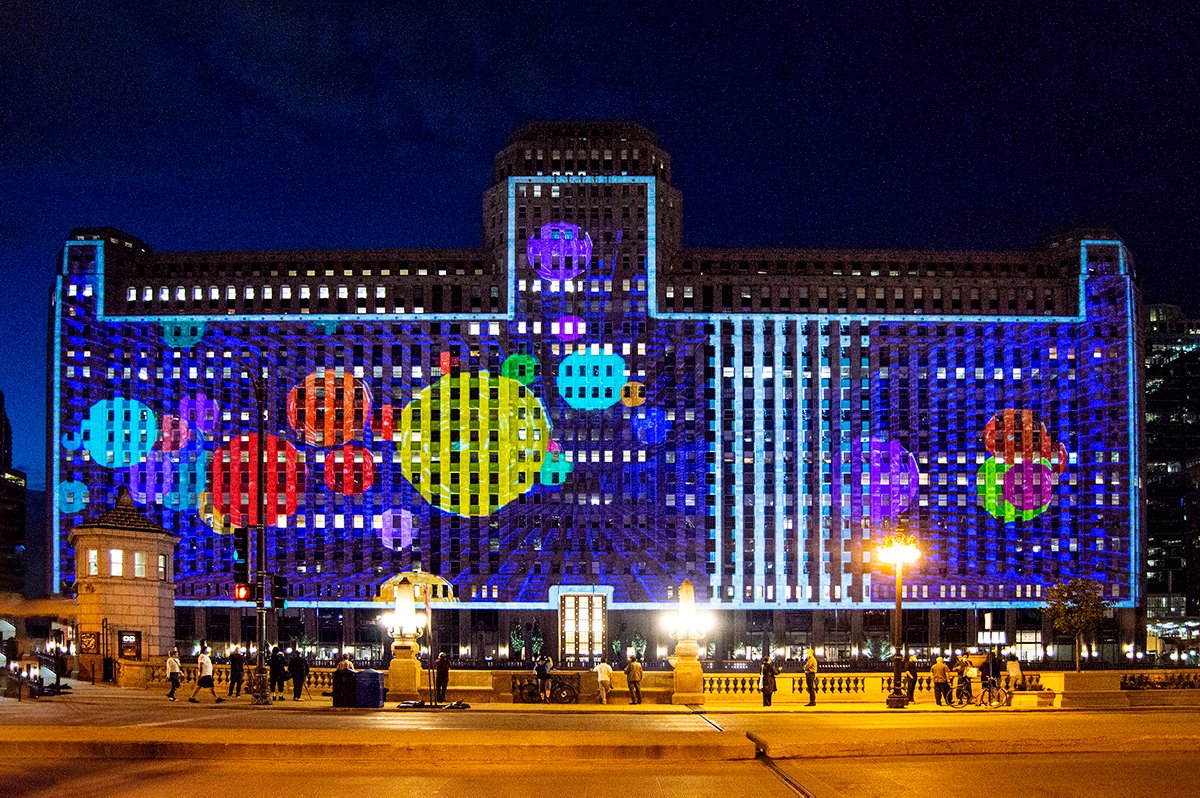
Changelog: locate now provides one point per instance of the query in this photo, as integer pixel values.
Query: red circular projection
(329, 410)
(349, 470)
(235, 480)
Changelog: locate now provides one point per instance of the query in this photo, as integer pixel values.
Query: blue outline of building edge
(715, 320)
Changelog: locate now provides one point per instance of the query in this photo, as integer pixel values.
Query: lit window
(116, 562)
(162, 566)
(139, 564)
(93, 562)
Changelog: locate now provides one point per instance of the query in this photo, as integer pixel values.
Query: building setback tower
(582, 412)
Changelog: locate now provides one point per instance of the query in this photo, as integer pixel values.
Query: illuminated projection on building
(582, 424)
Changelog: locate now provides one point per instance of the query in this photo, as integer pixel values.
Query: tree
(1075, 607)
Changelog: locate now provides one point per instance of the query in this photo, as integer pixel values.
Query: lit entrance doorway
(582, 627)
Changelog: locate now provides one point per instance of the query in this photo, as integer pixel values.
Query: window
(93, 562)
(139, 564)
(116, 562)
(162, 566)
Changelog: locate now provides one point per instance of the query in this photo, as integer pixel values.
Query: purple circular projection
(570, 328)
(153, 478)
(892, 477)
(560, 252)
(199, 412)
(1028, 486)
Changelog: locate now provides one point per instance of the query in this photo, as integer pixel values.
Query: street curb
(385, 746)
(793, 749)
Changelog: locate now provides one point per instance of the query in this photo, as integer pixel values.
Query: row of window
(822, 299)
(117, 564)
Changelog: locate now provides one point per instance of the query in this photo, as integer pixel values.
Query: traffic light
(241, 555)
(278, 592)
(241, 592)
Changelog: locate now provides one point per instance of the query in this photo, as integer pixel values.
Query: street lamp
(898, 548)
(688, 627)
(406, 625)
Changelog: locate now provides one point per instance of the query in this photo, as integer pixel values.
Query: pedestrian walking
(604, 680)
(174, 672)
(633, 674)
(277, 673)
(941, 681)
(298, 670)
(237, 671)
(441, 681)
(204, 668)
(542, 670)
(810, 676)
(910, 676)
(766, 680)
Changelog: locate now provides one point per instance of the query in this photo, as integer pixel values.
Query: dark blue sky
(223, 125)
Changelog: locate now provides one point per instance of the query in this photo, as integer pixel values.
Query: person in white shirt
(604, 677)
(174, 672)
(204, 669)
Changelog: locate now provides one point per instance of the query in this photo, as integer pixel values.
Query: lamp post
(898, 548)
(688, 628)
(261, 696)
(404, 671)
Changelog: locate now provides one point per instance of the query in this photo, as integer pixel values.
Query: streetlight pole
(261, 695)
(898, 548)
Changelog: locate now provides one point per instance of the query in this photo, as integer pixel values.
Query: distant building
(572, 418)
(1172, 463)
(12, 513)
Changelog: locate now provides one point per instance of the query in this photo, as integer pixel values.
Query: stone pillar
(235, 627)
(310, 623)
(817, 636)
(347, 627)
(200, 622)
(972, 627)
(1010, 626)
(404, 671)
(935, 627)
(857, 636)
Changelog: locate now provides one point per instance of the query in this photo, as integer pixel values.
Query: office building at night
(566, 422)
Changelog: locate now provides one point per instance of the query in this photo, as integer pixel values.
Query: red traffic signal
(241, 592)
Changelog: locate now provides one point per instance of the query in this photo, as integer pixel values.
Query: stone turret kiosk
(125, 591)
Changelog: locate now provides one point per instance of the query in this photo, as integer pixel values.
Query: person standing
(604, 680)
(441, 672)
(298, 669)
(941, 681)
(277, 673)
(633, 674)
(910, 675)
(766, 679)
(204, 668)
(542, 670)
(237, 671)
(810, 676)
(174, 672)
(1016, 679)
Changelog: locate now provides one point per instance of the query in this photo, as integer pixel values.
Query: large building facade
(585, 407)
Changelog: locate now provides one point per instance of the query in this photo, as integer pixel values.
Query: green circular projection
(471, 443)
(520, 367)
(989, 484)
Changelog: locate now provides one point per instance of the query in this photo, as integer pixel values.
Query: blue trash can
(369, 689)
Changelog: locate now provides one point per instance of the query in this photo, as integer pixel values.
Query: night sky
(231, 125)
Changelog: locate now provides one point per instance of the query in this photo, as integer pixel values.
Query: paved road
(1080, 776)
(1110, 775)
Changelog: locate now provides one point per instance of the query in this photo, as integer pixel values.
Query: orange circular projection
(329, 410)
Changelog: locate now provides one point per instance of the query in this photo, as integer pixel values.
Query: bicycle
(560, 692)
(991, 695)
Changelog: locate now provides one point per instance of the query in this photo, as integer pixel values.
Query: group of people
(767, 684)
(279, 670)
(964, 671)
(633, 677)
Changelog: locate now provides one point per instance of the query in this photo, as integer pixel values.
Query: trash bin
(369, 689)
(343, 688)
